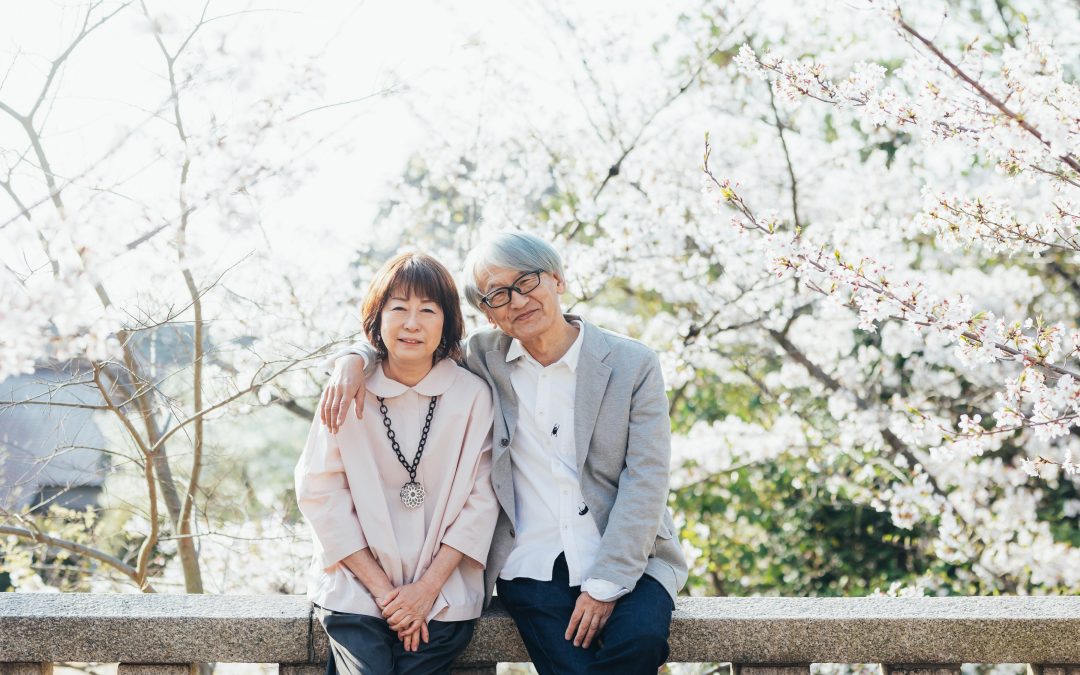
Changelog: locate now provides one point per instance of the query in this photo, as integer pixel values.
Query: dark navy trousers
(365, 645)
(634, 640)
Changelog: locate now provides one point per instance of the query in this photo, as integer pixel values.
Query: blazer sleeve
(641, 499)
(324, 497)
(361, 348)
(475, 361)
(472, 530)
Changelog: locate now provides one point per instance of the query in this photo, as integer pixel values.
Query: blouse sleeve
(323, 495)
(472, 529)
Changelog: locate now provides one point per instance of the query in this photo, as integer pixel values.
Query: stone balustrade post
(157, 669)
(26, 668)
(769, 669)
(920, 669)
(1053, 669)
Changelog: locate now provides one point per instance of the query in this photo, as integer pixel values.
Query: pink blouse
(347, 487)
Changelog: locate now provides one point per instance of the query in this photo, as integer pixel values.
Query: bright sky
(432, 47)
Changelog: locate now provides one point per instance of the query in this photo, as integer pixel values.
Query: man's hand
(405, 604)
(588, 619)
(346, 386)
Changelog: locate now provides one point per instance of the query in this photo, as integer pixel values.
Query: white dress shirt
(552, 517)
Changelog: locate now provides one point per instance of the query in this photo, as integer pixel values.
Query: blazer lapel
(592, 380)
(501, 474)
(504, 391)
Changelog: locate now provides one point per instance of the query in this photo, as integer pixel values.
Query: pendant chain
(423, 435)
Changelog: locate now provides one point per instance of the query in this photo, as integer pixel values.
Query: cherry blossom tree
(865, 297)
(143, 280)
(869, 323)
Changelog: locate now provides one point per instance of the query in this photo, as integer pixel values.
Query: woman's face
(411, 328)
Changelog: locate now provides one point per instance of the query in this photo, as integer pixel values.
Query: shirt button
(512, 533)
(504, 442)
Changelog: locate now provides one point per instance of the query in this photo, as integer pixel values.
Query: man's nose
(517, 299)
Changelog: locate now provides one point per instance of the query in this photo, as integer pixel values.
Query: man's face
(525, 317)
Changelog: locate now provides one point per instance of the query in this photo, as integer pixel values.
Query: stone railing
(170, 634)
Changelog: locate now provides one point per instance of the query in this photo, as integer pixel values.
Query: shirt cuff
(604, 591)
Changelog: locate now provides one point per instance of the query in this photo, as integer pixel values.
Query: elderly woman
(403, 510)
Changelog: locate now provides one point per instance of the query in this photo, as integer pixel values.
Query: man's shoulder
(485, 339)
(624, 346)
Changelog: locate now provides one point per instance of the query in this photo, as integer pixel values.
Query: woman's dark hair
(415, 274)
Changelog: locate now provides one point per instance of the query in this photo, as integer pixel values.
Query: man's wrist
(602, 590)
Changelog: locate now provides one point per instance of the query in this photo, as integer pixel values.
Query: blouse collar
(435, 383)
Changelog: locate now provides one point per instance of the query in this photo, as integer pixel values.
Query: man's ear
(560, 285)
(489, 317)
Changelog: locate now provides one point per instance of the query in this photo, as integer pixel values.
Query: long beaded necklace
(412, 493)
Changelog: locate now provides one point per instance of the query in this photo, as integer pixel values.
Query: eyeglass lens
(524, 285)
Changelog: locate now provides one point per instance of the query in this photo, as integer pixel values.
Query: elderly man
(584, 554)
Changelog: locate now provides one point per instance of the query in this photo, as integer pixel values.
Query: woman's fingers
(391, 607)
(389, 598)
(424, 632)
(400, 619)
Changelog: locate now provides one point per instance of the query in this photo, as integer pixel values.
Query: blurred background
(195, 195)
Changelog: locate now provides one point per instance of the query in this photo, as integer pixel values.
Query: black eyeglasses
(524, 285)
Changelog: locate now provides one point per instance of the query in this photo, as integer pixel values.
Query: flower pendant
(412, 495)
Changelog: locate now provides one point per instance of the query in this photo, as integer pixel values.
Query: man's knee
(648, 641)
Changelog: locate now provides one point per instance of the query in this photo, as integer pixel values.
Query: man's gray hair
(511, 250)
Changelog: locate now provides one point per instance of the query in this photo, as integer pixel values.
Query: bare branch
(74, 547)
(59, 61)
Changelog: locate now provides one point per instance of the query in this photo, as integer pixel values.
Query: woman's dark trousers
(365, 645)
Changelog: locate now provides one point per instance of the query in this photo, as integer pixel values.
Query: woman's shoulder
(465, 383)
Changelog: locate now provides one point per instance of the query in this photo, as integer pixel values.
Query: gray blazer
(623, 438)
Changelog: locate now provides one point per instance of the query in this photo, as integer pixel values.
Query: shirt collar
(570, 358)
(435, 383)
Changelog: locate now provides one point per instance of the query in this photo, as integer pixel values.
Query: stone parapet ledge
(184, 629)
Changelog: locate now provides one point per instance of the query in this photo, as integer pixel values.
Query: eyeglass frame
(511, 289)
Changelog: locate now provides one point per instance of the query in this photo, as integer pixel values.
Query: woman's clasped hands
(405, 609)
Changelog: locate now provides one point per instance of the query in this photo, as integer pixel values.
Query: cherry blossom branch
(1068, 159)
(843, 272)
(787, 161)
